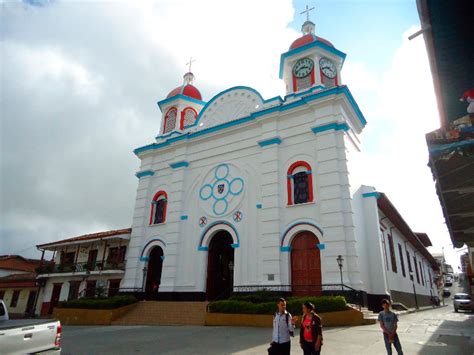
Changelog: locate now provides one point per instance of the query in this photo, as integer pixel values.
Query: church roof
(310, 37)
(186, 90)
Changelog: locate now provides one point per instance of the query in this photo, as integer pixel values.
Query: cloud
(79, 91)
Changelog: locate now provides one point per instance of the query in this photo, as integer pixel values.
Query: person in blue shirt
(283, 328)
(388, 322)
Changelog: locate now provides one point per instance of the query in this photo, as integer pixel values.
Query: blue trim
(312, 89)
(303, 101)
(327, 127)
(164, 136)
(184, 218)
(180, 96)
(371, 194)
(438, 149)
(310, 45)
(298, 222)
(179, 164)
(285, 249)
(144, 258)
(235, 245)
(151, 241)
(200, 248)
(259, 205)
(321, 246)
(266, 142)
(143, 173)
(203, 234)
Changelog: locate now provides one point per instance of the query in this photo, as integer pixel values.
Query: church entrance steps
(369, 317)
(165, 313)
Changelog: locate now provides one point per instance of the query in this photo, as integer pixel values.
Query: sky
(80, 81)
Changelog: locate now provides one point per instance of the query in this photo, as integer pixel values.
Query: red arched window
(299, 183)
(170, 120)
(188, 117)
(158, 208)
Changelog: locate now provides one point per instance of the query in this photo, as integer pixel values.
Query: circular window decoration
(222, 189)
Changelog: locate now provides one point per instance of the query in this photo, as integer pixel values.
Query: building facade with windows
(83, 266)
(18, 288)
(241, 192)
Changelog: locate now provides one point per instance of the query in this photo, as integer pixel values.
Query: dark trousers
(308, 348)
(282, 348)
(396, 344)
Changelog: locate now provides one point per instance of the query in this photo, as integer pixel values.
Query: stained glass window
(301, 188)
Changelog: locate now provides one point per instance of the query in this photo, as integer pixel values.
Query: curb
(421, 309)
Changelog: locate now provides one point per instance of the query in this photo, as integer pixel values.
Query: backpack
(287, 319)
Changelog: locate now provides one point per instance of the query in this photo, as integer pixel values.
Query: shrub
(256, 297)
(99, 303)
(322, 304)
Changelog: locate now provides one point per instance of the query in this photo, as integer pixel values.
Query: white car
(26, 336)
(463, 302)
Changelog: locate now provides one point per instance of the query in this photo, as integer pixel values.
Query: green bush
(99, 303)
(322, 304)
(256, 297)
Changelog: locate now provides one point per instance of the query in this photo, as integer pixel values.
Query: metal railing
(80, 267)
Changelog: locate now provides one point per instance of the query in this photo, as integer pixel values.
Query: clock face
(328, 68)
(303, 67)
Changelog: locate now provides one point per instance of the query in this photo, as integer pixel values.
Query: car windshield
(462, 297)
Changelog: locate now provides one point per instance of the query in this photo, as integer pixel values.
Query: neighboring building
(18, 286)
(405, 269)
(449, 37)
(86, 265)
(467, 269)
(241, 193)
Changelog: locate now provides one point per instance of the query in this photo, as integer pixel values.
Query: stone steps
(165, 313)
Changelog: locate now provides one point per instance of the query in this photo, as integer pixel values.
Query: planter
(78, 316)
(348, 317)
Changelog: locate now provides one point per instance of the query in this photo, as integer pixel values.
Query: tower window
(158, 208)
(299, 183)
(170, 120)
(188, 117)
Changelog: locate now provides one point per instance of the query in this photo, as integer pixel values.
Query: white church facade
(241, 193)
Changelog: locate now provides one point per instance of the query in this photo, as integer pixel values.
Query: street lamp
(414, 291)
(340, 260)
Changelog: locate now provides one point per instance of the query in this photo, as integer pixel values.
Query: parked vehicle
(26, 336)
(463, 301)
(446, 292)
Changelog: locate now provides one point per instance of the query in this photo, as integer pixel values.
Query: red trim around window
(183, 113)
(167, 116)
(155, 198)
(290, 171)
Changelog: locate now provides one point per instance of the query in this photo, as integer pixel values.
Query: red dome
(308, 39)
(186, 90)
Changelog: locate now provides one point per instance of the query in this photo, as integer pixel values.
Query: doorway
(55, 297)
(153, 278)
(220, 267)
(30, 304)
(305, 265)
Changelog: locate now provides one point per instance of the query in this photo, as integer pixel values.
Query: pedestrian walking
(388, 322)
(283, 328)
(311, 331)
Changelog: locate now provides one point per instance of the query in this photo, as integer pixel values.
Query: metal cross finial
(307, 12)
(191, 60)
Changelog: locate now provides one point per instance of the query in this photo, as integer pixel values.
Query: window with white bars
(189, 117)
(170, 120)
(303, 83)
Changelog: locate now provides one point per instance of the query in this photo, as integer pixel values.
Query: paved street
(437, 331)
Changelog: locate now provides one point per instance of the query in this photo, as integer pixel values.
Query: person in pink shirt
(311, 331)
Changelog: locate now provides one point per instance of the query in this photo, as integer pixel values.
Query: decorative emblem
(202, 221)
(220, 194)
(237, 216)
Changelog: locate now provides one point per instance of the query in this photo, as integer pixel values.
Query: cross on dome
(189, 76)
(307, 12)
(191, 61)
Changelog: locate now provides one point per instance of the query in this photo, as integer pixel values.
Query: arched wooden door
(220, 267)
(153, 278)
(305, 265)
